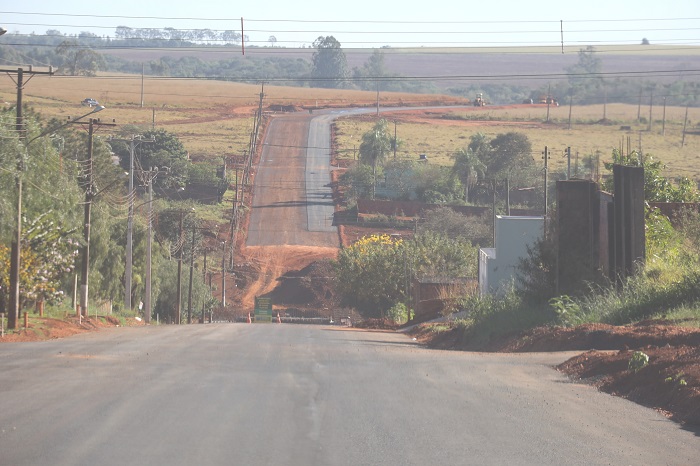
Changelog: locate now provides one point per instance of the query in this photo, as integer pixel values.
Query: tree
(376, 143)
(468, 168)
(272, 40)
(372, 273)
(330, 68)
(584, 76)
(79, 60)
(448, 222)
(508, 155)
(657, 188)
(166, 152)
(374, 68)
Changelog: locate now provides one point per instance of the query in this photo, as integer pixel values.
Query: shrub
(638, 361)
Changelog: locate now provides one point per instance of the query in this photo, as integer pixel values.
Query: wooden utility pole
(663, 124)
(685, 125)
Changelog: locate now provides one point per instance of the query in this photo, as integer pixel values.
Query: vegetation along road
(308, 395)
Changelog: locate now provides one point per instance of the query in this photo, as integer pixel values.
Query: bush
(398, 313)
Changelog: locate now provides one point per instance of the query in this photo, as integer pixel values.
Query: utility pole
(639, 107)
(685, 125)
(204, 280)
(493, 212)
(89, 196)
(377, 97)
(508, 196)
(178, 300)
(223, 274)
(148, 310)
(663, 125)
(189, 288)
(16, 245)
(133, 142)
(143, 69)
(546, 157)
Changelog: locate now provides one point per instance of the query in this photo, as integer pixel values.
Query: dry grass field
(214, 118)
(439, 134)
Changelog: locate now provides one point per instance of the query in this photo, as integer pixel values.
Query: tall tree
(469, 169)
(376, 144)
(584, 76)
(79, 60)
(330, 66)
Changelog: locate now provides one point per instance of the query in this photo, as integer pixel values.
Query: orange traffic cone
(249, 321)
(279, 321)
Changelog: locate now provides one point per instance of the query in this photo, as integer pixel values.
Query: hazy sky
(364, 23)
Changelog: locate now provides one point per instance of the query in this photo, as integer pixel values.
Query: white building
(497, 266)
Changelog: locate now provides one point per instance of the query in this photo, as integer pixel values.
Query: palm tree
(376, 143)
(468, 168)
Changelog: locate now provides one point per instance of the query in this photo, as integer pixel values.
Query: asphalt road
(293, 202)
(226, 394)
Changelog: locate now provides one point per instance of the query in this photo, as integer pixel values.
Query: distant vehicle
(528, 101)
(479, 101)
(90, 102)
(549, 100)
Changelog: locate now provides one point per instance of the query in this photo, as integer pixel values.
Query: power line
(253, 20)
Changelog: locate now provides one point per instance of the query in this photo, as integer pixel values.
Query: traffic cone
(249, 321)
(279, 321)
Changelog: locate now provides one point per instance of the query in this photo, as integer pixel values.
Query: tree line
(81, 54)
(54, 170)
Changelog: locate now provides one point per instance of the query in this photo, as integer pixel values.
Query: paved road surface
(238, 394)
(293, 203)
